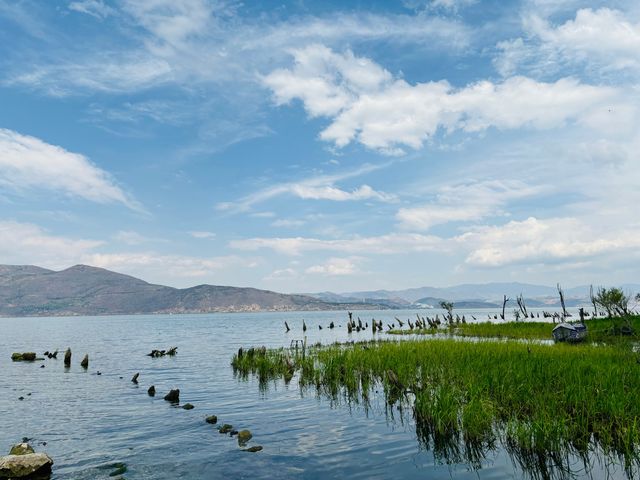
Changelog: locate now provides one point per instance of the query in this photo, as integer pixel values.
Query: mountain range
(27, 290)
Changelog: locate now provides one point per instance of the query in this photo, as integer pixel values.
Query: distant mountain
(390, 302)
(431, 302)
(486, 291)
(480, 295)
(83, 290)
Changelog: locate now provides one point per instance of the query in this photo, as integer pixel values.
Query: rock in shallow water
(256, 448)
(243, 437)
(173, 396)
(23, 357)
(212, 419)
(188, 406)
(226, 428)
(29, 465)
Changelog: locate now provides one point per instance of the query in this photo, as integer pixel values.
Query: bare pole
(593, 301)
(564, 309)
(523, 307)
(504, 304)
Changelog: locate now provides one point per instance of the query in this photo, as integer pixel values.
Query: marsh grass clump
(265, 364)
(541, 402)
(600, 330)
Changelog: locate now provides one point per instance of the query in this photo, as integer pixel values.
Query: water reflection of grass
(543, 404)
(599, 329)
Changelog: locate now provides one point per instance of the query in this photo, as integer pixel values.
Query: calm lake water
(89, 420)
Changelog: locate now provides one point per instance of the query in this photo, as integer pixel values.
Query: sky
(323, 146)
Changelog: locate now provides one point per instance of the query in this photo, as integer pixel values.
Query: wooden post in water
(67, 358)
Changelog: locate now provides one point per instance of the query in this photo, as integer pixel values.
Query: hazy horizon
(331, 146)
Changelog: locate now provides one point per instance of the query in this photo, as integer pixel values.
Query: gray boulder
(29, 465)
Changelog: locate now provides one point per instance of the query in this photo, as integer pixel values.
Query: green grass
(541, 402)
(600, 330)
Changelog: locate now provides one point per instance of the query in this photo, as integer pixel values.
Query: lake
(89, 420)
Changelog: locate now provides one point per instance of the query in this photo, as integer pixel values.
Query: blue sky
(310, 146)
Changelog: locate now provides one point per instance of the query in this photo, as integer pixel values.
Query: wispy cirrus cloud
(321, 187)
(335, 267)
(196, 42)
(465, 202)
(604, 41)
(27, 162)
(201, 234)
(95, 8)
(393, 243)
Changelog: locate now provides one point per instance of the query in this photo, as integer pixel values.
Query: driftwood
(161, 353)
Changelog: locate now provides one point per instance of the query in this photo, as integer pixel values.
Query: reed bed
(600, 330)
(543, 404)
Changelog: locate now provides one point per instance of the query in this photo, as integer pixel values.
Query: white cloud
(603, 39)
(129, 237)
(387, 114)
(467, 201)
(26, 243)
(326, 81)
(444, 5)
(364, 192)
(161, 266)
(282, 274)
(543, 241)
(335, 267)
(202, 234)
(288, 223)
(393, 243)
(27, 162)
(172, 23)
